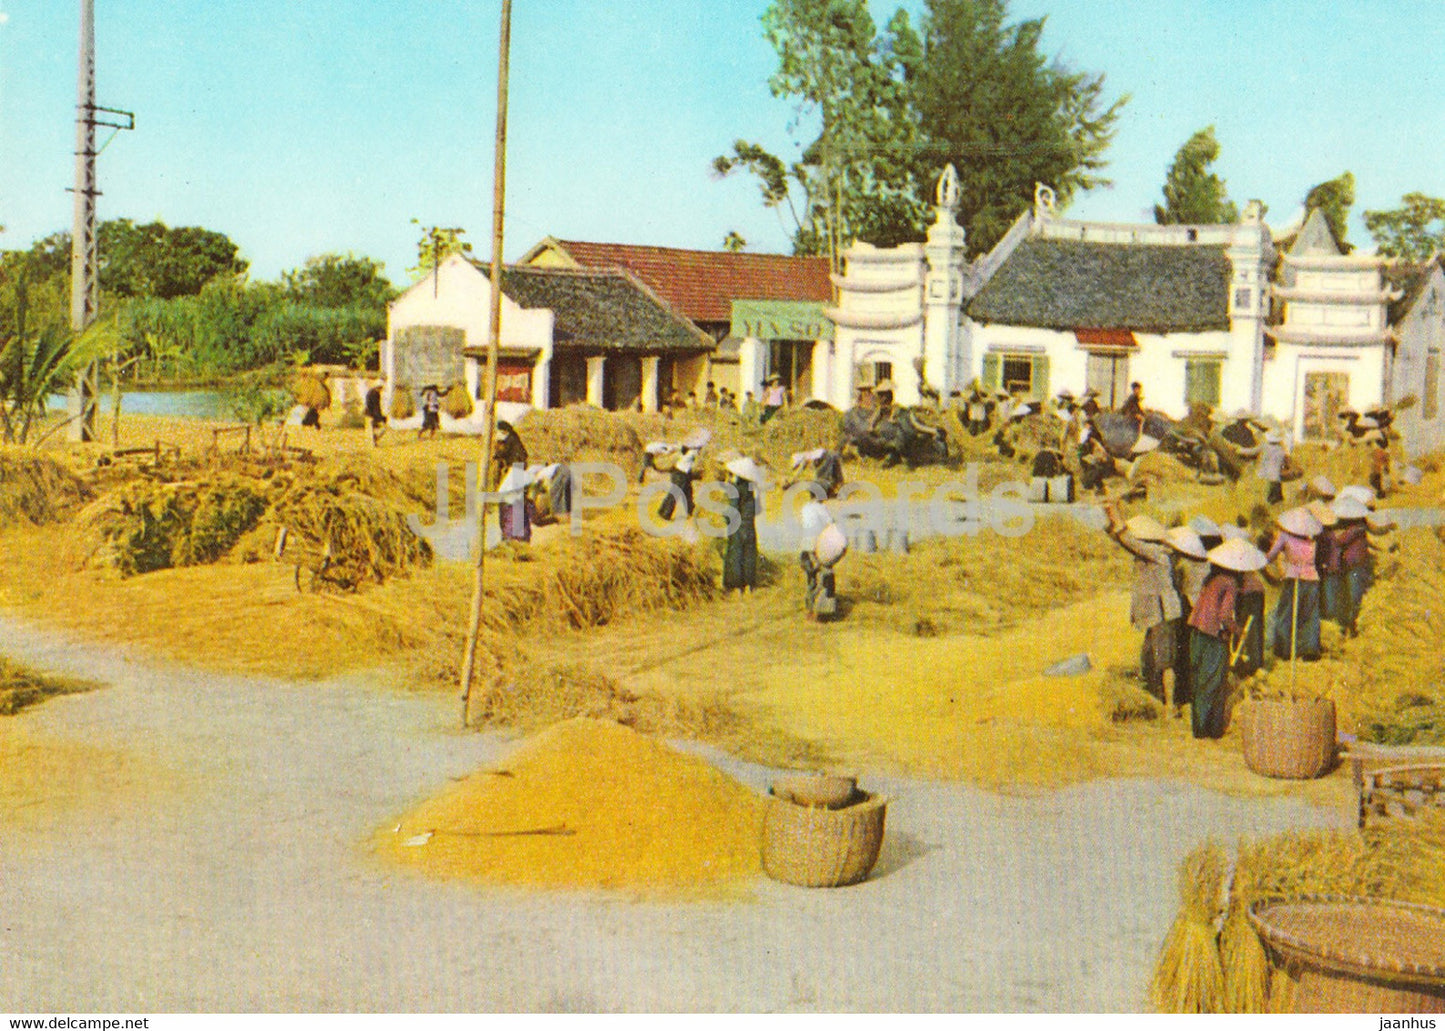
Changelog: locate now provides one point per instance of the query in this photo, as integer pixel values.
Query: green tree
(340, 281)
(1193, 195)
(1004, 115)
(1334, 197)
(853, 179)
(437, 243)
(893, 108)
(1411, 232)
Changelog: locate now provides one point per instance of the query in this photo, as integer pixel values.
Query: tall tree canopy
(1006, 116)
(1413, 231)
(854, 179)
(1193, 195)
(151, 260)
(340, 281)
(1334, 197)
(893, 108)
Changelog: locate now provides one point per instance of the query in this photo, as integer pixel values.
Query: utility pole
(499, 196)
(84, 252)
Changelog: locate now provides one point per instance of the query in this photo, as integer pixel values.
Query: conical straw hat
(1323, 487)
(1144, 528)
(1300, 522)
(1347, 506)
(1322, 512)
(1230, 532)
(745, 468)
(1185, 541)
(1204, 526)
(1239, 556)
(1145, 444)
(1364, 495)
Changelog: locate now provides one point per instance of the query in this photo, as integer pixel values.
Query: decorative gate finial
(947, 192)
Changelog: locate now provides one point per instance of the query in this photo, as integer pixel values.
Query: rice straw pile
(593, 579)
(1401, 860)
(21, 686)
(36, 489)
(1388, 684)
(587, 804)
(359, 538)
(580, 433)
(984, 584)
(143, 526)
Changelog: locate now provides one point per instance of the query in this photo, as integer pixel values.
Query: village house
(1205, 314)
(1418, 319)
(568, 335)
(763, 312)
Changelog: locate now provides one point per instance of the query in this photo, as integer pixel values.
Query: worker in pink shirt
(1296, 623)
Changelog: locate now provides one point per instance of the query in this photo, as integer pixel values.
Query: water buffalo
(1119, 433)
(900, 437)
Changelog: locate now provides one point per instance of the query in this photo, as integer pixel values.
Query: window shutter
(1041, 377)
(1201, 382)
(992, 364)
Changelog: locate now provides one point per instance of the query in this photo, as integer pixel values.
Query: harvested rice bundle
(587, 804)
(144, 526)
(1189, 977)
(1402, 860)
(403, 404)
(457, 401)
(36, 489)
(352, 537)
(310, 389)
(800, 429)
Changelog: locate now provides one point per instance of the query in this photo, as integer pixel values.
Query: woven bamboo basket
(1357, 955)
(823, 848)
(1289, 739)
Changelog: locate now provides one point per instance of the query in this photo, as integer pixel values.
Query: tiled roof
(1068, 284)
(606, 310)
(703, 284)
(1409, 278)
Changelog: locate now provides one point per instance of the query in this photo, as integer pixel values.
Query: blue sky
(304, 126)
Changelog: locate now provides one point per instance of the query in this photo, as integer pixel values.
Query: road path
(249, 887)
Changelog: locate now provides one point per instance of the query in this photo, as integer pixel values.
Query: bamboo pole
(1293, 633)
(499, 194)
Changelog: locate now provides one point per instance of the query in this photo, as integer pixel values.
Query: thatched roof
(607, 311)
(1068, 284)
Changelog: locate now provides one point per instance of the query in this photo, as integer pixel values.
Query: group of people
(1199, 594)
(715, 398)
(819, 470)
(526, 495)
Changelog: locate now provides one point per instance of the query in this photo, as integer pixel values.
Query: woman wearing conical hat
(1213, 625)
(1352, 546)
(740, 559)
(1296, 622)
(1155, 606)
(1248, 609)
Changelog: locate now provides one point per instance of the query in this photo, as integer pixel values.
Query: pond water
(185, 404)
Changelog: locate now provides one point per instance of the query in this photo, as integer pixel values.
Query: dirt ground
(194, 836)
(225, 869)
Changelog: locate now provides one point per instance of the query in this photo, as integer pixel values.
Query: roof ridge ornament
(1045, 201)
(947, 193)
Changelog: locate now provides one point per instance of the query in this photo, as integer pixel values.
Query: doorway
(1109, 375)
(1325, 395)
